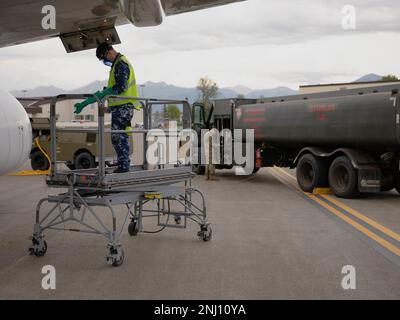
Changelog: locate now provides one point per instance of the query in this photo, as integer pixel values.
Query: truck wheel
(84, 160)
(311, 173)
(39, 161)
(343, 178)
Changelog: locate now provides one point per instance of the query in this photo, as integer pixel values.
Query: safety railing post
(53, 134)
(146, 125)
(101, 140)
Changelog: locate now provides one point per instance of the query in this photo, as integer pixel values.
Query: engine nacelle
(15, 134)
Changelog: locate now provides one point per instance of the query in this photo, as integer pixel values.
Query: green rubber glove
(99, 94)
(106, 92)
(80, 106)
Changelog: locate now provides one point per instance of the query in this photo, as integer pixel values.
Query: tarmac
(270, 241)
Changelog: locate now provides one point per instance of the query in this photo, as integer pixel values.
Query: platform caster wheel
(38, 248)
(178, 220)
(133, 228)
(205, 233)
(118, 262)
(116, 256)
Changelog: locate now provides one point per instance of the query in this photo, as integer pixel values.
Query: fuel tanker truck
(346, 140)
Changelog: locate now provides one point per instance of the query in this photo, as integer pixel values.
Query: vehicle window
(163, 115)
(198, 115)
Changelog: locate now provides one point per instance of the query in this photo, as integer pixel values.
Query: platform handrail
(146, 104)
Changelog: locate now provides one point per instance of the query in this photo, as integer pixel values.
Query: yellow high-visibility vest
(131, 90)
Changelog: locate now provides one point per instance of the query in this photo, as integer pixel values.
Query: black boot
(120, 170)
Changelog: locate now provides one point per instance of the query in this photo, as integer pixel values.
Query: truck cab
(220, 116)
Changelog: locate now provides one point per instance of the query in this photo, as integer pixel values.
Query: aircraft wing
(84, 24)
(180, 6)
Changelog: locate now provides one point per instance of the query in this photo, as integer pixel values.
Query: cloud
(262, 22)
(257, 43)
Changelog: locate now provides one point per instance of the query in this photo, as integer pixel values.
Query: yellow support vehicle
(77, 149)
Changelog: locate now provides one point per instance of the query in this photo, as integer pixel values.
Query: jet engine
(15, 134)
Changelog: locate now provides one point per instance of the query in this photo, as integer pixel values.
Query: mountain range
(163, 90)
(369, 78)
(160, 90)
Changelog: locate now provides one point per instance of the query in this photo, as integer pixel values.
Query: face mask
(107, 62)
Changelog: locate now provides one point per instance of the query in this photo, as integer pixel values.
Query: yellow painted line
(355, 213)
(284, 172)
(290, 176)
(392, 248)
(362, 217)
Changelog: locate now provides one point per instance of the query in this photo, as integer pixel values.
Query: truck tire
(311, 173)
(39, 161)
(84, 160)
(343, 178)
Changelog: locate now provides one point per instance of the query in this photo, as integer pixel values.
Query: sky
(256, 43)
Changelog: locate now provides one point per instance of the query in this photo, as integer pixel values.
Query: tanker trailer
(347, 140)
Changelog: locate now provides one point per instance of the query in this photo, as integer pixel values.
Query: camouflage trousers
(121, 117)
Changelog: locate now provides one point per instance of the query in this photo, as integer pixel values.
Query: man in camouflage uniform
(121, 118)
(122, 82)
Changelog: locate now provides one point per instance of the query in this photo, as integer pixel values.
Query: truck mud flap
(369, 180)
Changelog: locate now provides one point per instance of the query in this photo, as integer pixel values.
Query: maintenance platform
(160, 190)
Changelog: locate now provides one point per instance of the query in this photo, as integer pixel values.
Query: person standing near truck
(121, 82)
